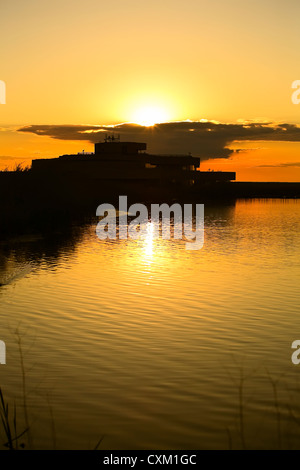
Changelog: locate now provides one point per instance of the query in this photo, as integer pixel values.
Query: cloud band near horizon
(205, 139)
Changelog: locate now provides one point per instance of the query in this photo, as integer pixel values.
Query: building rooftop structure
(117, 166)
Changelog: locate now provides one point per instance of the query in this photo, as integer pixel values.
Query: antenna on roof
(112, 138)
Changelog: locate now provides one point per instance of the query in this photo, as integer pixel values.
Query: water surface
(154, 346)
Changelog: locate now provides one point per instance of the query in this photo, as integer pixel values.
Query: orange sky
(102, 63)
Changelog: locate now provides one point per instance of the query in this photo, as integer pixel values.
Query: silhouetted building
(114, 162)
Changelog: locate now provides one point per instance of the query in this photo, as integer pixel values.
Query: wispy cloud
(4, 158)
(281, 165)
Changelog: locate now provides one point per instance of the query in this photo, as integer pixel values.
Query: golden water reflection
(145, 342)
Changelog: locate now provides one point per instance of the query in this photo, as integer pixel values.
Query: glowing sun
(148, 116)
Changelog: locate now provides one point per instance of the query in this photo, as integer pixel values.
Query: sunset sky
(219, 72)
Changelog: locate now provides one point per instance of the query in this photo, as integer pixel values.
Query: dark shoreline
(243, 190)
(30, 204)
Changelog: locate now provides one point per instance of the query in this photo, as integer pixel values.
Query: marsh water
(148, 345)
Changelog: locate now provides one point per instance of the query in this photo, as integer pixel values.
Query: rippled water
(153, 346)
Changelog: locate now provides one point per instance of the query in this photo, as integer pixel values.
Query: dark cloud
(4, 157)
(281, 165)
(206, 139)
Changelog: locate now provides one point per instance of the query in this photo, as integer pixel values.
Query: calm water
(154, 346)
